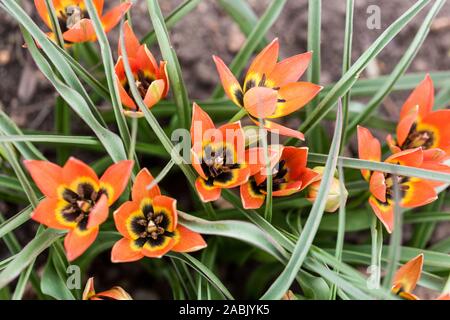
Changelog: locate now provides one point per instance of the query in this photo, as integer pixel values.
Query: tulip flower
(76, 199)
(115, 293)
(289, 175)
(150, 78)
(420, 126)
(413, 192)
(270, 89)
(149, 226)
(217, 155)
(74, 21)
(406, 278)
(333, 199)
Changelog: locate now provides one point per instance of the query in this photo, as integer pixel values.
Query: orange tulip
(414, 192)
(115, 293)
(150, 78)
(406, 278)
(148, 224)
(290, 175)
(74, 21)
(217, 159)
(270, 89)
(76, 199)
(420, 126)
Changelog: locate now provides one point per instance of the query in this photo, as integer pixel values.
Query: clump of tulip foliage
(253, 189)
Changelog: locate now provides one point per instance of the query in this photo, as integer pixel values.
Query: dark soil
(29, 99)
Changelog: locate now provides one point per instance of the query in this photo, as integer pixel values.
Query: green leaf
(52, 284)
(29, 253)
(284, 281)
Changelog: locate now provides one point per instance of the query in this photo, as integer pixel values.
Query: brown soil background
(29, 99)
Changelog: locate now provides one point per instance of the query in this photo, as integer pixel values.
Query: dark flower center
(218, 161)
(142, 81)
(152, 227)
(70, 17)
(415, 139)
(80, 203)
(279, 173)
(390, 185)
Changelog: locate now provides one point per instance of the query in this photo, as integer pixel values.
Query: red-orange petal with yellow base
(140, 187)
(122, 251)
(290, 69)
(196, 163)
(121, 216)
(419, 193)
(99, 212)
(410, 157)
(438, 122)
(250, 199)
(384, 212)
(294, 96)
(392, 144)
(239, 176)
(154, 93)
(188, 240)
(405, 124)
(116, 179)
(408, 275)
(422, 96)
(264, 62)
(82, 31)
(260, 102)
(45, 213)
(288, 189)
(147, 61)
(160, 250)
(206, 193)
(200, 123)
(76, 242)
(74, 169)
(229, 82)
(377, 186)
(47, 176)
(112, 17)
(255, 158)
(369, 148)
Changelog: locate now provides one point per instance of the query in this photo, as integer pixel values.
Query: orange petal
(409, 274)
(405, 124)
(233, 178)
(43, 12)
(131, 41)
(233, 134)
(99, 212)
(163, 75)
(122, 215)
(140, 188)
(281, 130)
(201, 123)
(290, 69)
(45, 213)
(384, 212)
(444, 296)
(99, 6)
(419, 193)
(206, 192)
(262, 65)
(115, 293)
(434, 155)
(124, 251)
(76, 242)
(115, 179)
(260, 102)
(168, 206)
(294, 96)
(89, 289)
(378, 186)
(75, 169)
(147, 61)
(250, 196)
(112, 18)
(392, 144)
(82, 31)
(410, 157)
(189, 241)
(230, 84)
(438, 123)
(154, 93)
(47, 176)
(422, 96)
(369, 148)
(255, 158)
(159, 250)
(125, 97)
(288, 189)
(196, 162)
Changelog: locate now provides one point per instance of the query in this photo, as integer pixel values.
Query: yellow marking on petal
(128, 223)
(426, 127)
(82, 180)
(109, 191)
(164, 243)
(59, 216)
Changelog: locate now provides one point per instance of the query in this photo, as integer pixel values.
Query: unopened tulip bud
(334, 196)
